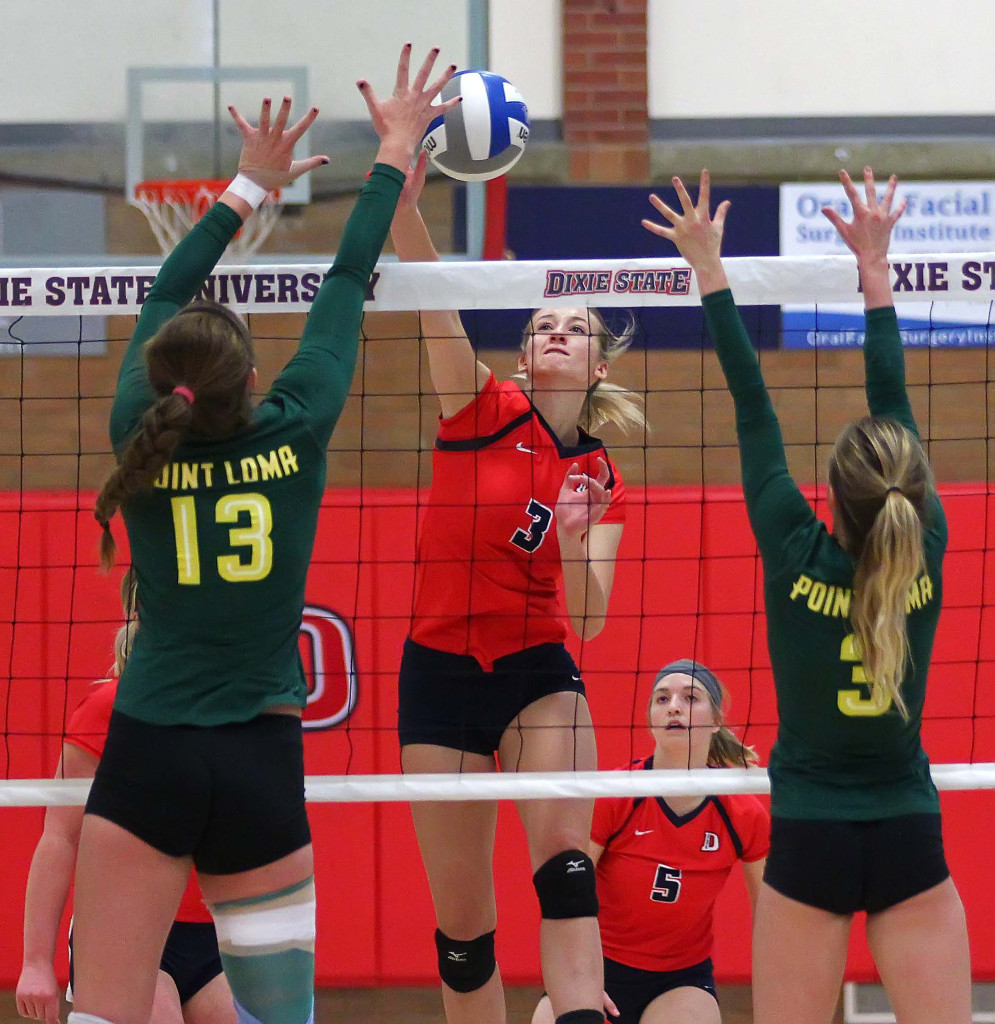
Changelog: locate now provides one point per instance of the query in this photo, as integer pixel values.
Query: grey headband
(698, 672)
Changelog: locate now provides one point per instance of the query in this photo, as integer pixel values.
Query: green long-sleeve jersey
(221, 543)
(835, 756)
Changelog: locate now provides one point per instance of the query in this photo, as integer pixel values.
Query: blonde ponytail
(881, 482)
(890, 562)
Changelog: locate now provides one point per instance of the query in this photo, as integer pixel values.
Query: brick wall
(385, 435)
(605, 117)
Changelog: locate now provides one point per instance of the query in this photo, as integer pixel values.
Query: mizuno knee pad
(465, 966)
(565, 886)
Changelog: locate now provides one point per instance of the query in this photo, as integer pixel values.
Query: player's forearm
(875, 282)
(410, 236)
(711, 277)
(49, 878)
(884, 363)
(181, 277)
(586, 596)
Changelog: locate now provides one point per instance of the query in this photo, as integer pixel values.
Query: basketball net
(173, 207)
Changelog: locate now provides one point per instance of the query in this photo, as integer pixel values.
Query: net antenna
(173, 205)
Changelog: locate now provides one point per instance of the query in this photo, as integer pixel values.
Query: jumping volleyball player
(662, 861)
(204, 757)
(190, 986)
(851, 618)
(524, 500)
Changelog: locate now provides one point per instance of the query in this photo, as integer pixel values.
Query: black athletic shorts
(846, 866)
(448, 700)
(633, 989)
(230, 796)
(190, 957)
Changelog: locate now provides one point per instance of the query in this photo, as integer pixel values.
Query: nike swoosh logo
(643, 831)
(521, 447)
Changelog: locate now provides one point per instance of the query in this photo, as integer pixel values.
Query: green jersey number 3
(235, 567)
(853, 702)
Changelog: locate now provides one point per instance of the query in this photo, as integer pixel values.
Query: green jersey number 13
(235, 567)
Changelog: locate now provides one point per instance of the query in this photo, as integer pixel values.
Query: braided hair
(199, 365)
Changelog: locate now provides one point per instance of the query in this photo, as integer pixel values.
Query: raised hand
(869, 233)
(696, 233)
(582, 500)
(267, 156)
(402, 118)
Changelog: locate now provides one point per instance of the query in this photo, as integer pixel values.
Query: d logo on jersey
(327, 653)
(711, 843)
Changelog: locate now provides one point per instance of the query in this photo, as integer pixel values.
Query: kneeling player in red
(662, 862)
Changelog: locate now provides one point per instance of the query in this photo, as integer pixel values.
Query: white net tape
(502, 785)
(290, 287)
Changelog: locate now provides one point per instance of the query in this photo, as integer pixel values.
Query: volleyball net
(688, 580)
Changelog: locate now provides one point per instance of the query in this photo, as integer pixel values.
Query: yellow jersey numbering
(834, 602)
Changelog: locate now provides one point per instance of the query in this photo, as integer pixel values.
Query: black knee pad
(581, 1017)
(465, 966)
(565, 886)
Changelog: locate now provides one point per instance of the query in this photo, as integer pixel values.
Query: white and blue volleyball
(483, 136)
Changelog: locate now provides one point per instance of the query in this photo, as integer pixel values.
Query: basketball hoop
(173, 207)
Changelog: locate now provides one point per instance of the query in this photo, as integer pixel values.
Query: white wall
(526, 45)
(64, 60)
(765, 58)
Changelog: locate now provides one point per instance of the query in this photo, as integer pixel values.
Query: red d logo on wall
(329, 666)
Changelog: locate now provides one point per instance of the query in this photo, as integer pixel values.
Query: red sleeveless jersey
(489, 573)
(660, 873)
(87, 729)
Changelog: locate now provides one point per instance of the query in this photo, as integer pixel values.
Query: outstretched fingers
(889, 194)
(264, 115)
(425, 70)
(299, 167)
(835, 219)
(657, 229)
(297, 130)
(245, 129)
(683, 195)
(870, 192)
(282, 115)
(704, 191)
(403, 67)
(721, 210)
(370, 97)
(439, 84)
(850, 189)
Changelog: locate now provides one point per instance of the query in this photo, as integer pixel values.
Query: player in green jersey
(851, 617)
(204, 756)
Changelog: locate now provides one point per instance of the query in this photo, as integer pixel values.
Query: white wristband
(245, 188)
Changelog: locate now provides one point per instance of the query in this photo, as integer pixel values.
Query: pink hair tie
(184, 391)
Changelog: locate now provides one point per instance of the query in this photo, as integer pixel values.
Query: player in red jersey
(191, 987)
(524, 502)
(662, 862)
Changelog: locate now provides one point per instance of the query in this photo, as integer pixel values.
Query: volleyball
(483, 136)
